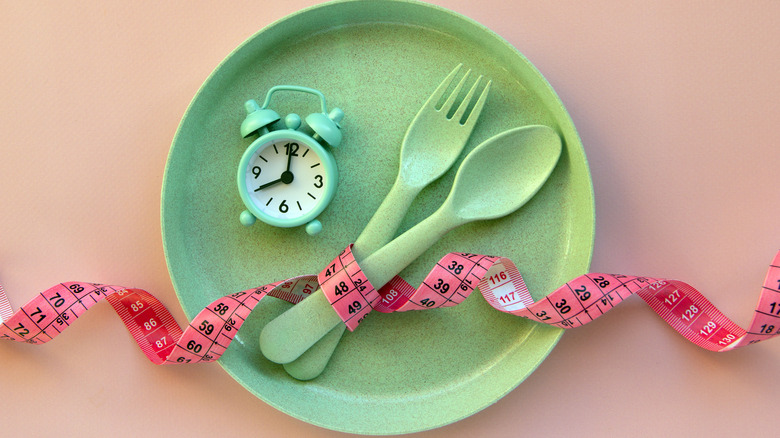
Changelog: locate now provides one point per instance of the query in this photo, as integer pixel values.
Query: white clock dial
(286, 179)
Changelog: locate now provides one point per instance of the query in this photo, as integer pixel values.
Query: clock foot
(314, 227)
(247, 218)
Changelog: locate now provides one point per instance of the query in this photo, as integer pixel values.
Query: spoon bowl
(497, 179)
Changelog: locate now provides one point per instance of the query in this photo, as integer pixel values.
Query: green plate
(378, 61)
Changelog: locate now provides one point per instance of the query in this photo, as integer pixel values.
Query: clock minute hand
(289, 157)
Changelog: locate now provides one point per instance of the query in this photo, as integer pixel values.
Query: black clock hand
(287, 177)
(289, 157)
(266, 185)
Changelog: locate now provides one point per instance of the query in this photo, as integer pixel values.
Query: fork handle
(386, 219)
(282, 340)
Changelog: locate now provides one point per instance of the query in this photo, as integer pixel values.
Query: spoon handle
(289, 335)
(379, 231)
(386, 219)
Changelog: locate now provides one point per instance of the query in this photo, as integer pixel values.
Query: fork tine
(454, 95)
(466, 100)
(474, 115)
(439, 91)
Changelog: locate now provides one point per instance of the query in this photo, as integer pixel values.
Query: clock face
(288, 180)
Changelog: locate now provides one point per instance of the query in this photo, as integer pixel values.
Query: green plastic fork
(432, 143)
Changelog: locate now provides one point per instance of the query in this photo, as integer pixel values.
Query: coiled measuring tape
(576, 303)
(152, 326)
(451, 281)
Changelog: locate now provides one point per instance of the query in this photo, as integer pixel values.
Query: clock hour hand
(268, 184)
(287, 177)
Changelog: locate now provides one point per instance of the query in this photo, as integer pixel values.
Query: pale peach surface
(677, 104)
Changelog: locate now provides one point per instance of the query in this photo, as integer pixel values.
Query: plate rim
(453, 15)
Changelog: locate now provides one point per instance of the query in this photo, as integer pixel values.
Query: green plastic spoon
(494, 180)
(432, 143)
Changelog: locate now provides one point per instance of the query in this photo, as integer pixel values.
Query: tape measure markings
(692, 315)
(149, 322)
(582, 299)
(452, 279)
(589, 292)
(32, 321)
(347, 289)
(505, 287)
(394, 294)
(146, 318)
(5, 306)
(448, 279)
(767, 316)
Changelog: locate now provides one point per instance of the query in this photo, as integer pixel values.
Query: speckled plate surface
(378, 61)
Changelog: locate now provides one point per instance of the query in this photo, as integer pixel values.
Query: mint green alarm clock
(287, 177)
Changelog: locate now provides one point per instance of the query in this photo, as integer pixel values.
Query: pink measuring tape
(575, 303)
(450, 282)
(149, 322)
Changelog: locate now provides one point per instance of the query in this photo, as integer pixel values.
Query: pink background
(677, 105)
